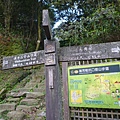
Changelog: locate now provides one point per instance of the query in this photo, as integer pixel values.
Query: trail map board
(96, 86)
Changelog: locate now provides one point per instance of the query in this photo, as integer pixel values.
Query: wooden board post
(52, 73)
(46, 24)
(65, 89)
(53, 82)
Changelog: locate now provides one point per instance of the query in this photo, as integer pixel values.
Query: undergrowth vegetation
(9, 79)
(10, 44)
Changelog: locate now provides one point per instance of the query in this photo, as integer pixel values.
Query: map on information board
(96, 86)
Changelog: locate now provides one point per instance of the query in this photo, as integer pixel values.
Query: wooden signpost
(51, 56)
(53, 82)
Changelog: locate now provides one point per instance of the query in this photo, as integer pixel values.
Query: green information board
(96, 86)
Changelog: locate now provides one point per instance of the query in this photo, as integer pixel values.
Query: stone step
(16, 115)
(29, 102)
(16, 94)
(35, 81)
(39, 118)
(26, 109)
(34, 95)
(32, 85)
(41, 115)
(8, 106)
(37, 76)
(2, 112)
(42, 84)
(13, 100)
(25, 90)
(35, 85)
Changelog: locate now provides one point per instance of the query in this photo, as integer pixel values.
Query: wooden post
(46, 25)
(53, 82)
(65, 89)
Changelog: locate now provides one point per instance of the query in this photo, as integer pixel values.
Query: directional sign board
(72, 53)
(22, 60)
(88, 52)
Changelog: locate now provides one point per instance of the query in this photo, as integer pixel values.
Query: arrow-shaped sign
(115, 50)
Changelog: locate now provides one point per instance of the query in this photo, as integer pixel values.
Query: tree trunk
(39, 24)
(7, 15)
(31, 27)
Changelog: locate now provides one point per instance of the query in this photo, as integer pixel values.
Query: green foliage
(22, 16)
(4, 115)
(11, 47)
(85, 19)
(73, 10)
(11, 79)
(101, 26)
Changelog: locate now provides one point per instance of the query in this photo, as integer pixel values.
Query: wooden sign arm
(46, 24)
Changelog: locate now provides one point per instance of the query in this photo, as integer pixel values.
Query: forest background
(85, 22)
